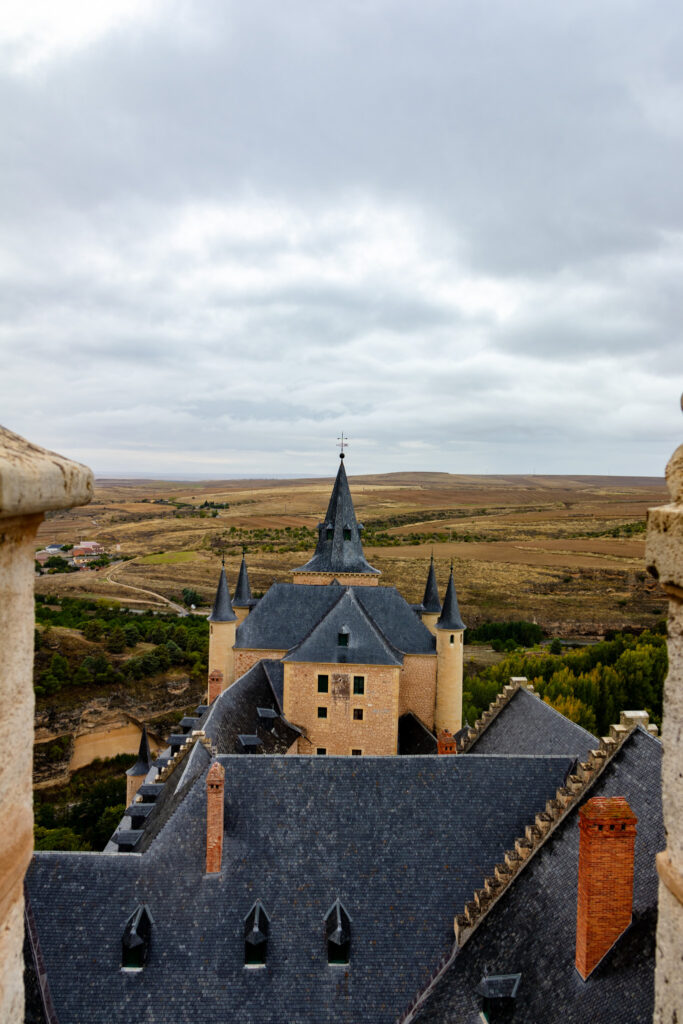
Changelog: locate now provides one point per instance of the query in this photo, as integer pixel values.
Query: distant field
(566, 551)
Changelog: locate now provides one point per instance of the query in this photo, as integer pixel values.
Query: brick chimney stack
(445, 742)
(606, 846)
(215, 786)
(215, 685)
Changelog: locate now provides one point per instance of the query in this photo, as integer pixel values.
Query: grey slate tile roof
(366, 645)
(414, 737)
(144, 761)
(235, 712)
(527, 725)
(222, 606)
(402, 842)
(289, 611)
(450, 617)
(335, 553)
(243, 598)
(532, 929)
(430, 601)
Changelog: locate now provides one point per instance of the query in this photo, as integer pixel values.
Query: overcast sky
(452, 229)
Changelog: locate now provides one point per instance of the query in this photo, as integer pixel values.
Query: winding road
(128, 586)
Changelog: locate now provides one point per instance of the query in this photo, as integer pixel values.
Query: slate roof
(335, 553)
(243, 598)
(144, 761)
(235, 712)
(532, 929)
(450, 617)
(527, 725)
(430, 601)
(288, 612)
(222, 607)
(365, 642)
(414, 737)
(300, 832)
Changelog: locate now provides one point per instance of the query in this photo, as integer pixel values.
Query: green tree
(116, 641)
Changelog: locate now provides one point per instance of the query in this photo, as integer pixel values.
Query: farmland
(566, 552)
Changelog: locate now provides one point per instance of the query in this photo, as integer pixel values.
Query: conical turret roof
(222, 606)
(430, 601)
(450, 614)
(144, 761)
(243, 596)
(339, 547)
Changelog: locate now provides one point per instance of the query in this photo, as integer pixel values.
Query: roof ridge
(315, 625)
(374, 625)
(558, 808)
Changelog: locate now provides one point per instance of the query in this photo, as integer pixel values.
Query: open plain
(566, 552)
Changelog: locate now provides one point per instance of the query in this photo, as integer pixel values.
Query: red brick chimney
(215, 785)
(215, 685)
(445, 742)
(606, 844)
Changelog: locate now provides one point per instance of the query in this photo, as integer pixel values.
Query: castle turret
(339, 551)
(222, 633)
(242, 601)
(431, 604)
(449, 663)
(135, 776)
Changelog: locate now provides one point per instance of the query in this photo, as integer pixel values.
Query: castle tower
(339, 551)
(449, 663)
(222, 633)
(242, 601)
(135, 776)
(430, 602)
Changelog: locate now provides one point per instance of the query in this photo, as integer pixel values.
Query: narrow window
(256, 936)
(338, 930)
(452, 638)
(323, 684)
(356, 753)
(343, 639)
(322, 712)
(347, 533)
(359, 684)
(321, 751)
(136, 940)
(358, 714)
(329, 533)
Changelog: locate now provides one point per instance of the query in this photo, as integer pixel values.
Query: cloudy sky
(451, 228)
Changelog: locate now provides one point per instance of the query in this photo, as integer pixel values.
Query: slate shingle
(527, 725)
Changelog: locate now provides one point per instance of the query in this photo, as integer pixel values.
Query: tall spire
(450, 614)
(222, 606)
(339, 548)
(243, 596)
(144, 761)
(430, 601)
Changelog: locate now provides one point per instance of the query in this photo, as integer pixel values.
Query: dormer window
(338, 931)
(499, 992)
(343, 637)
(347, 533)
(256, 936)
(135, 941)
(329, 533)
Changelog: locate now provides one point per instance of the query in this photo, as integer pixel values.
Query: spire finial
(343, 443)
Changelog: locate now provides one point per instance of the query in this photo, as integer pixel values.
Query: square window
(323, 684)
(356, 753)
(343, 639)
(359, 684)
(358, 714)
(322, 712)
(321, 750)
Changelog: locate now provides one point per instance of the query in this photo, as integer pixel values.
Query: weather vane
(343, 443)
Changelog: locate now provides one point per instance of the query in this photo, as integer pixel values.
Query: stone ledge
(34, 480)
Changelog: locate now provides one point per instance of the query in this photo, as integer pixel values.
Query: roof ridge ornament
(343, 443)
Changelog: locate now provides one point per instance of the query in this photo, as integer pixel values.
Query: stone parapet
(664, 559)
(32, 481)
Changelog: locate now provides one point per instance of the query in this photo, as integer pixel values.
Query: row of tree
(590, 686)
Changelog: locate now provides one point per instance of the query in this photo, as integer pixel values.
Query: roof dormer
(338, 932)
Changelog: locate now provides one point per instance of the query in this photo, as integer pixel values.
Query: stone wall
(32, 481)
(418, 687)
(340, 732)
(664, 556)
(246, 659)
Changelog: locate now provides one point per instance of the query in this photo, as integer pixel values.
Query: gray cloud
(454, 230)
